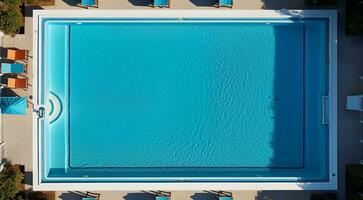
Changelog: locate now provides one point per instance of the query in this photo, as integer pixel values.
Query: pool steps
(54, 107)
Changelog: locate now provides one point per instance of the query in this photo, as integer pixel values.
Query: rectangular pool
(184, 100)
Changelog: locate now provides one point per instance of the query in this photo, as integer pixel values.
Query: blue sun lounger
(161, 195)
(88, 3)
(225, 3)
(162, 198)
(161, 3)
(225, 198)
(13, 105)
(11, 68)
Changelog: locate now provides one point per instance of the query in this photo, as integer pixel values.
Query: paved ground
(17, 129)
(187, 195)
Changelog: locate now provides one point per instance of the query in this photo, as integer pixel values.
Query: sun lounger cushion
(225, 198)
(17, 83)
(88, 2)
(16, 54)
(162, 198)
(88, 198)
(12, 68)
(161, 3)
(225, 2)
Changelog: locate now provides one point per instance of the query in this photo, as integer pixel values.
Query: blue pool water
(186, 99)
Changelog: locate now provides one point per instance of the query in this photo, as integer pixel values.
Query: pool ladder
(325, 109)
(40, 111)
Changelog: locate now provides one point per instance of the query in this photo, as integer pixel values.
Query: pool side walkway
(17, 130)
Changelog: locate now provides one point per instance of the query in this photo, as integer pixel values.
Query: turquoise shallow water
(181, 99)
(190, 95)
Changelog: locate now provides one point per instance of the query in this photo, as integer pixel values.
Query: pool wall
(330, 116)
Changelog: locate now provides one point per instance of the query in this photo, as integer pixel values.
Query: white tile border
(38, 15)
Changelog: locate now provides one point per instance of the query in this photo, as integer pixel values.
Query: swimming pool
(180, 98)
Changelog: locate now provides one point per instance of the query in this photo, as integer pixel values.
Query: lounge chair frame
(93, 195)
(224, 194)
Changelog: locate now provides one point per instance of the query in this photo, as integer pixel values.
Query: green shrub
(40, 2)
(354, 17)
(357, 197)
(323, 196)
(321, 2)
(10, 181)
(355, 22)
(36, 196)
(11, 18)
(355, 175)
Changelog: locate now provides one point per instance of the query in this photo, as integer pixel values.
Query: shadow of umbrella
(72, 2)
(204, 2)
(204, 196)
(71, 196)
(141, 2)
(139, 196)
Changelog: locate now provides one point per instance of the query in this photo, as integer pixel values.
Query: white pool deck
(17, 130)
(41, 15)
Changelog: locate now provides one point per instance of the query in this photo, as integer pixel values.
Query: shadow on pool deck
(278, 195)
(204, 196)
(139, 196)
(71, 195)
(140, 2)
(72, 2)
(282, 4)
(29, 10)
(7, 92)
(28, 178)
(204, 2)
(3, 52)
